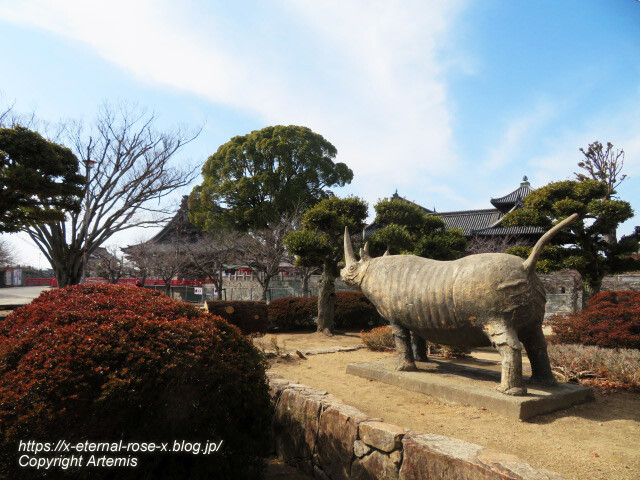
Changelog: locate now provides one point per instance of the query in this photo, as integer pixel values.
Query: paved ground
(19, 295)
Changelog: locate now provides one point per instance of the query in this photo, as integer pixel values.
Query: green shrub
(352, 311)
(611, 320)
(114, 362)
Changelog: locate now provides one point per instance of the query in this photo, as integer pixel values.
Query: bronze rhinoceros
(479, 300)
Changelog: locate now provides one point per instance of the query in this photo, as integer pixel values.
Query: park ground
(597, 440)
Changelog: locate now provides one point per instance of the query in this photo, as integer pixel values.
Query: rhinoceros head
(354, 269)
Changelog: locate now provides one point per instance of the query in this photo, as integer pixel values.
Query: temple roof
(506, 203)
(395, 196)
(470, 220)
(483, 222)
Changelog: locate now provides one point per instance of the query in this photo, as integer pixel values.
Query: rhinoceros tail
(530, 263)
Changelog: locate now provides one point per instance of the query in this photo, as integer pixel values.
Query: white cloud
(371, 80)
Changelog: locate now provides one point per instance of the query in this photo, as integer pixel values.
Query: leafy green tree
(39, 180)
(321, 243)
(582, 246)
(404, 227)
(254, 179)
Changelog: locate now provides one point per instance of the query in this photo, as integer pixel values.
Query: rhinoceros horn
(349, 257)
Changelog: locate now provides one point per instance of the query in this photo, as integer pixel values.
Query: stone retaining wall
(327, 439)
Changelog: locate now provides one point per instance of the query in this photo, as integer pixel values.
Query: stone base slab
(474, 386)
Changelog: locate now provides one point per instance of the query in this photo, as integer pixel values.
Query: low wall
(330, 440)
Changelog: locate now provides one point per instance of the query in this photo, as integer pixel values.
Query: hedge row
(352, 310)
(249, 316)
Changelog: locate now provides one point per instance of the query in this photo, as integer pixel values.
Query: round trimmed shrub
(112, 362)
(611, 320)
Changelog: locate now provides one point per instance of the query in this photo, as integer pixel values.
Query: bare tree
(127, 166)
(9, 118)
(168, 260)
(109, 264)
(603, 165)
(305, 275)
(263, 250)
(211, 254)
(7, 256)
(494, 244)
(140, 260)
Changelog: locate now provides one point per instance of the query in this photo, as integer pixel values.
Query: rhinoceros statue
(479, 300)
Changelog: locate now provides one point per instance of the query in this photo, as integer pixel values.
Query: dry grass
(602, 367)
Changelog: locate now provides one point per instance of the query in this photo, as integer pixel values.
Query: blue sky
(449, 102)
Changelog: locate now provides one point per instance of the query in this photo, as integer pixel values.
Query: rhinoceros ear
(364, 253)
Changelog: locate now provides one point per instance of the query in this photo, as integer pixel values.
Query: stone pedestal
(473, 386)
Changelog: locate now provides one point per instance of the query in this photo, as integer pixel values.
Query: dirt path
(597, 440)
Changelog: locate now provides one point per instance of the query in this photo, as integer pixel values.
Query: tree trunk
(68, 272)
(589, 289)
(265, 286)
(326, 301)
(218, 285)
(167, 287)
(305, 286)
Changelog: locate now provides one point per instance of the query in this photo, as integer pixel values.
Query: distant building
(178, 228)
(485, 222)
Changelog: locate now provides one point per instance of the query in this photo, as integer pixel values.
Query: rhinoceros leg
(506, 341)
(419, 346)
(402, 338)
(536, 347)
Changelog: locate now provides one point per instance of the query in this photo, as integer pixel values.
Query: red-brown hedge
(111, 362)
(611, 320)
(249, 316)
(352, 311)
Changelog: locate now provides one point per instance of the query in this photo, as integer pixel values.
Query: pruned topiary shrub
(106, 363)
(611, 320)
(352, 311)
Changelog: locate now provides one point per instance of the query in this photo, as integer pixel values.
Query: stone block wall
(627, 281)
(329, 440)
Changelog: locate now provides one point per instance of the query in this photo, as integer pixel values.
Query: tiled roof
(485, 221)
(509, 231)
(510, 200)
(470, 220)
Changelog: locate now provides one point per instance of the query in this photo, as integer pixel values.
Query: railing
(41, 282)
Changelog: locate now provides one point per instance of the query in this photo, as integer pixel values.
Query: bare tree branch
(494, 244)
(128, 166)
(7, 254)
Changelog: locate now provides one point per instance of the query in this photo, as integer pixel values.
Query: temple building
(485, 222)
